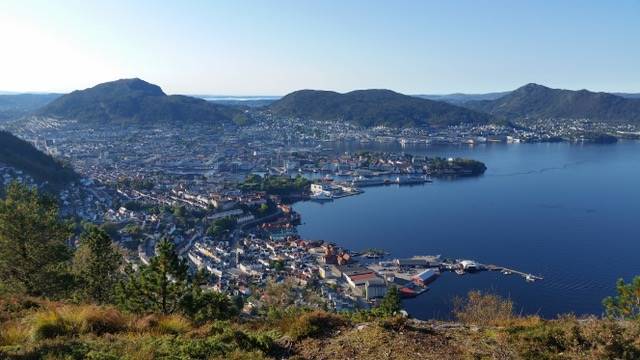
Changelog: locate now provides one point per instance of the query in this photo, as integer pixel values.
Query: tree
(162, 286)
(390, 304)
(34, 256)
(96, 263)
(221, 225)
(179, 212)
(165, 286)
(204, 305)
(626, 305)
(263, 209)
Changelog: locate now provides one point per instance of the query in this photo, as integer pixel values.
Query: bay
(567, 212)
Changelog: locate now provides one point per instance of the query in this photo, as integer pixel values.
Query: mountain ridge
(373, 107)
(534, 101)
(135, 100)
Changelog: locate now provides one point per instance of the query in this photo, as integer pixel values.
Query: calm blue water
(570, 213)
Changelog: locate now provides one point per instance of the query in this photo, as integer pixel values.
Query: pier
(408, 273)
(507, 271)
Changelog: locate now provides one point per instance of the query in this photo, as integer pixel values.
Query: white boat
(321, 196)
(407, 180)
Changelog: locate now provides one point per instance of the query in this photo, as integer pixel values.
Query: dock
(527, 276)
(406, 269)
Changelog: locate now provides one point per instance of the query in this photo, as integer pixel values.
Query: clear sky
(273, 47)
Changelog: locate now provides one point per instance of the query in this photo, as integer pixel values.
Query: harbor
(328, 189)
(413, 275)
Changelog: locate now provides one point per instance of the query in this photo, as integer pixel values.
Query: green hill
(534, 101)
(136, 100)
(374, 107)
(22, 155)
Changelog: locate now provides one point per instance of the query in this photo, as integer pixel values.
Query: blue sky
(274, 47)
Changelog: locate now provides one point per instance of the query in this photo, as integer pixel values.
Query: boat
(529, 278)
(506, 272)
(321, 196)
(408, 180)
(361, 181)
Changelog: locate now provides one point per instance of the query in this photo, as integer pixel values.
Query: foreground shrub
(483, 309)
(314, 324)
(597, 338)
(48, 325)
(626, 304)
(100, 320)
(12, 307)
(173, 324)
(394, 323)
(13, 333)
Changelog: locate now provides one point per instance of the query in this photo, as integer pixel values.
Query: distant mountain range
(534, 101)
(242, 101)
(628, 95)
(21, 155)
(14, 106)
(375, 107)
(135, 100)
(459, 98)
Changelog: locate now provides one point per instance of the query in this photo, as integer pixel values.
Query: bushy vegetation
(220, 226)
(55, 330)
(440, 164)
(314, 324)
(626, 304)
(276, 185)
(34, 256)
(483, 309)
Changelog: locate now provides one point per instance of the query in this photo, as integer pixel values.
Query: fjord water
(567, 212)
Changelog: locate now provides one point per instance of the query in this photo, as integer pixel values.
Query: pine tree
(390, 304)
(34, 256)
(204, 305)
(162, 286)
(96, 263)
(626, 304)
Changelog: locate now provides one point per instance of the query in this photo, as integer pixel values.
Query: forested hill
(534, 101)
(375, 107)
(21, 155)
(138, 101)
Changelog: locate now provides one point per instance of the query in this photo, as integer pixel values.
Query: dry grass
(49, 324)
(483, 309)
(173, 324)
(14, 333)
(54, 330)
(312, 324)
(373, 341)
(94, 319)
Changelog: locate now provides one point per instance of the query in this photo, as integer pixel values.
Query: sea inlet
(568, 212)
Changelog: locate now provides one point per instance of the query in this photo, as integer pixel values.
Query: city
(358, 180)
